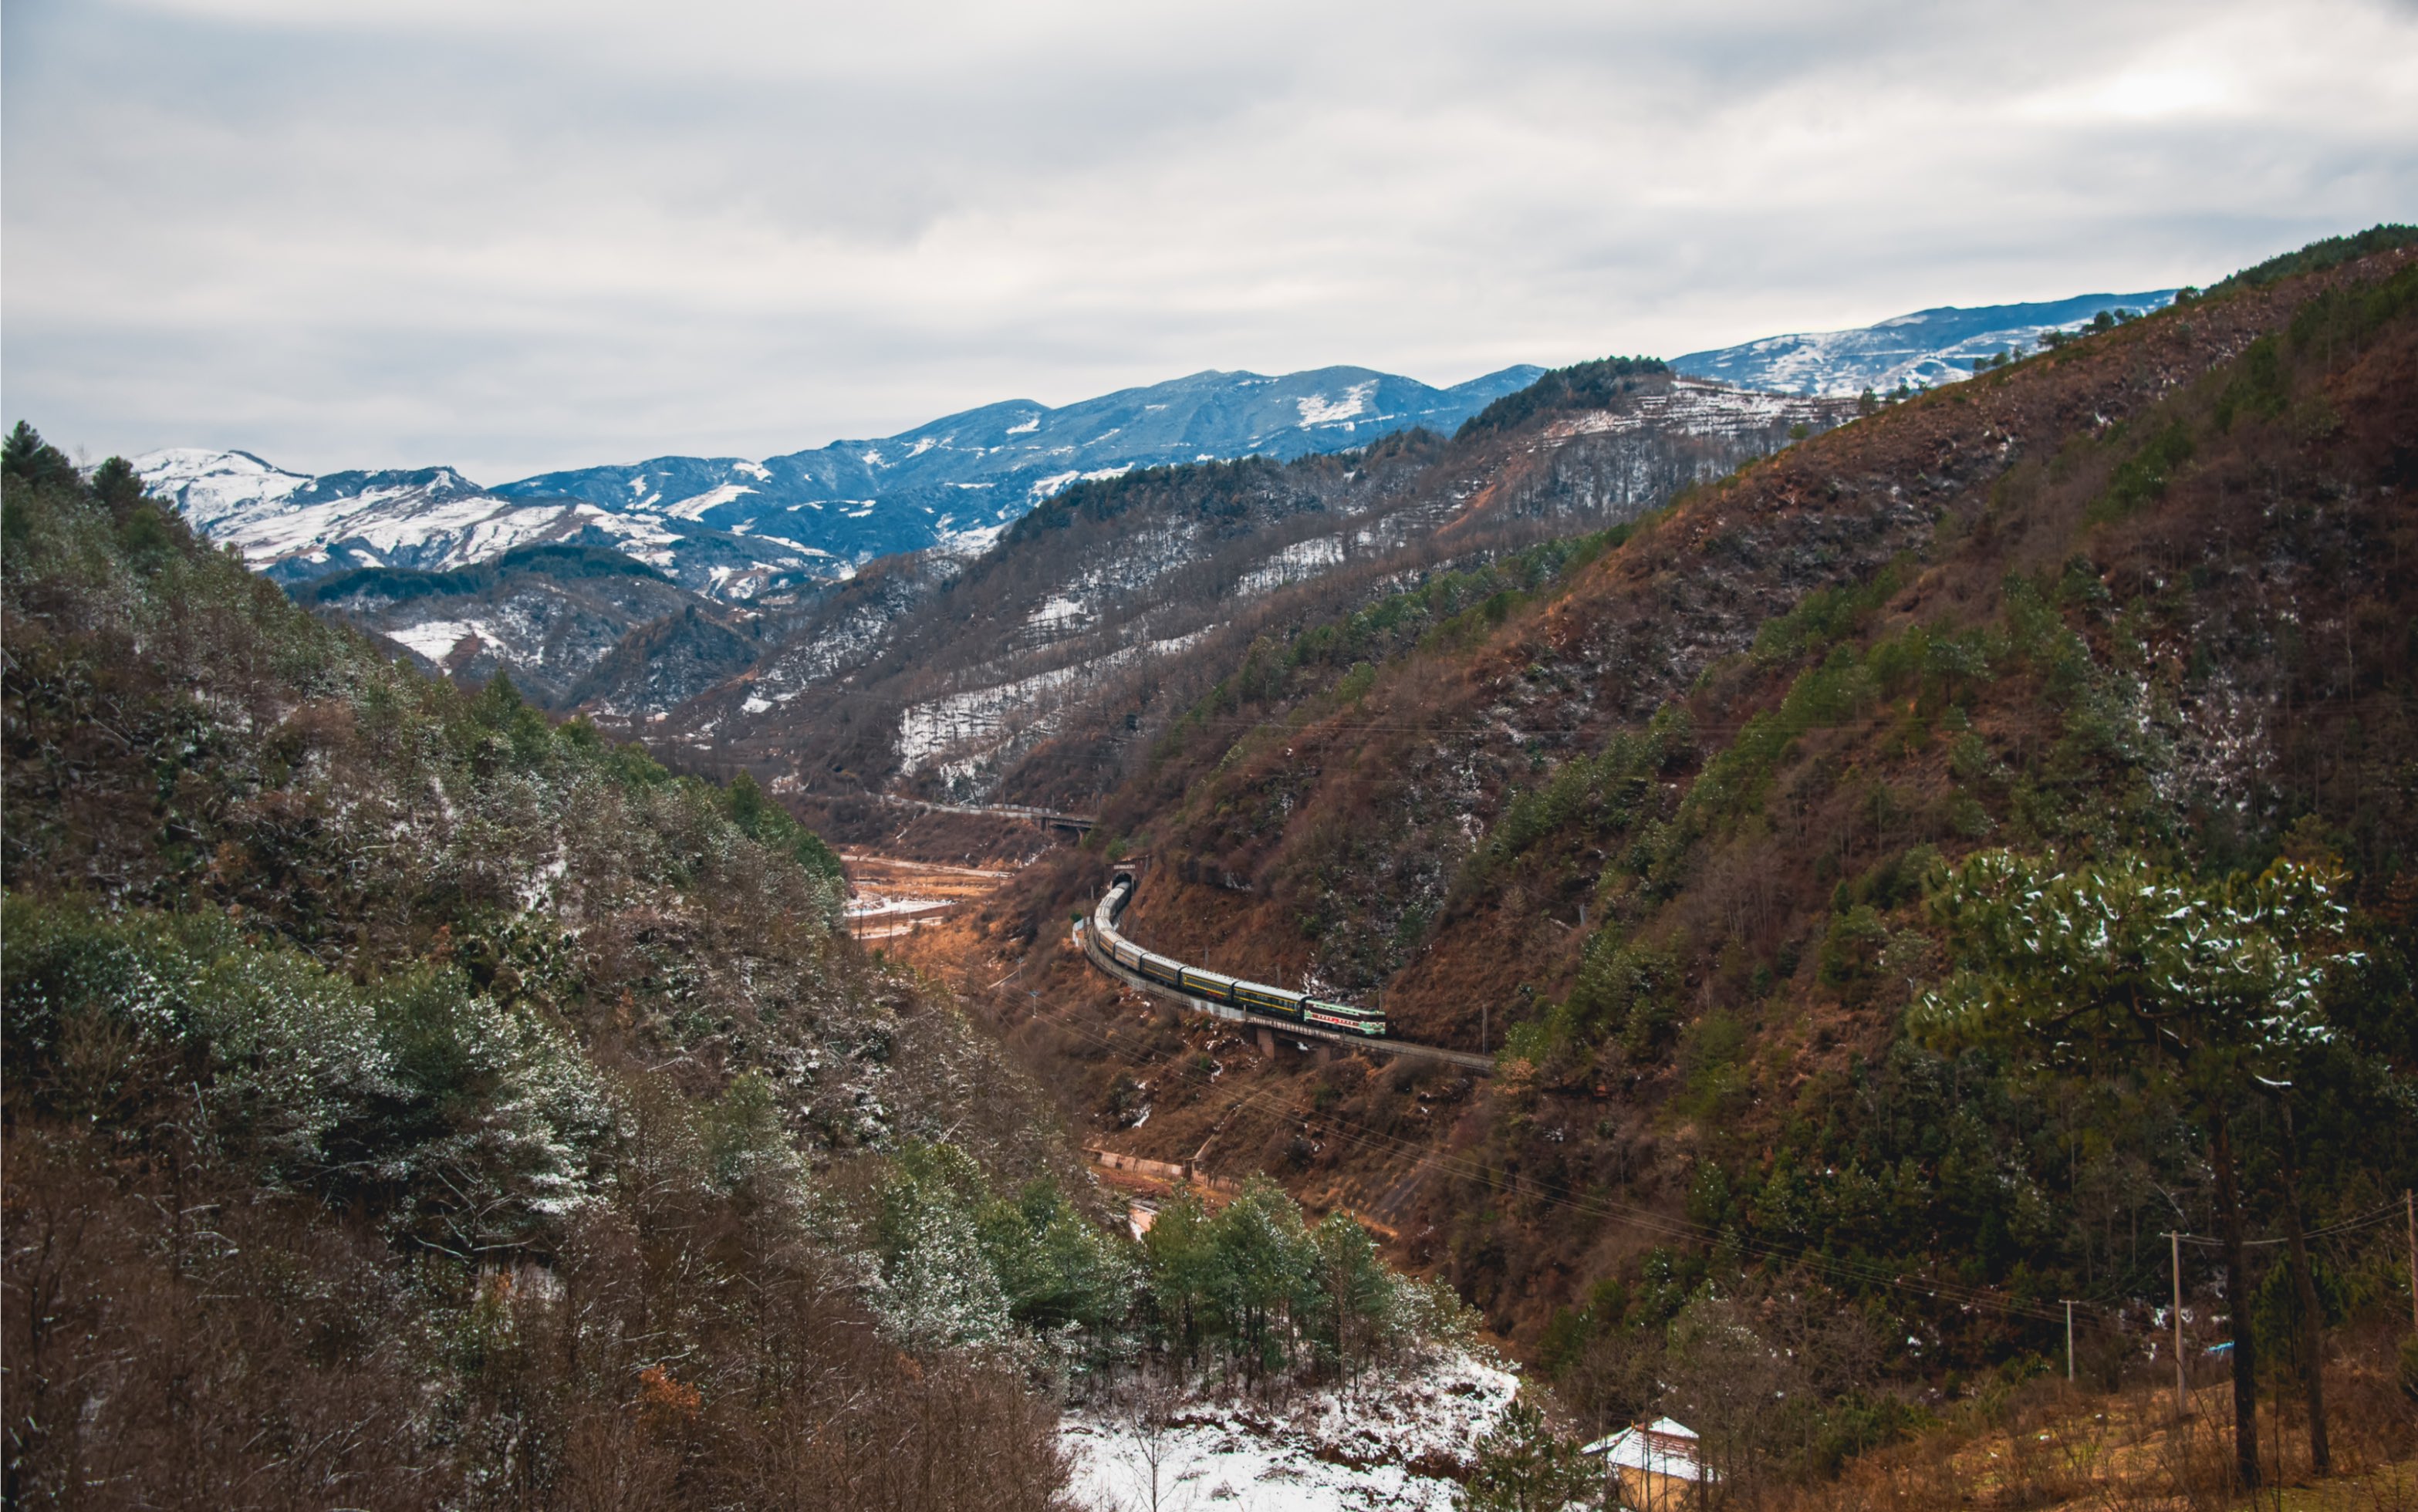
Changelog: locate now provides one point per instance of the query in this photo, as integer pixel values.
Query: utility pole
(2069, 1341)
(1482, 1009)
(2175, 1242)
(2410, 1213)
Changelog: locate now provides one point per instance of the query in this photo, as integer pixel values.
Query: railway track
(1269, 1027)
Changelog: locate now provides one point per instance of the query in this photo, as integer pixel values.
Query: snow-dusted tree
(1525, 1466)
(2216, 983)
(1057, 1267)
(1356, 1292)
(938, 1289)
(1262, 1273)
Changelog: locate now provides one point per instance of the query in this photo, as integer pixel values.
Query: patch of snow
(1317, 409)
(694, 507)
(1032, 423)
(1303, 559)
(435, 639)
(753, 469)
(1329, 1450)
(210, 485)
(970, 543)
(1695, 406)
(1060, 612)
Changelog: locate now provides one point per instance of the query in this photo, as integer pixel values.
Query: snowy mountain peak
(210, 486)
(1922, 349)
(732, 527)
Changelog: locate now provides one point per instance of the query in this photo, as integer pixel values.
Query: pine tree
(1525, 1466)
(2220, 981)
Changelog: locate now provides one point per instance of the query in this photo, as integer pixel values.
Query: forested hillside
(410, 1103)
(413, 1102)
(1805, 1121)
(1038, 672)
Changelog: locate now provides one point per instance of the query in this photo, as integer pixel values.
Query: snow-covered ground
(1388, 1444)
(1692, 407)
(1924, 349)
(1302, 560)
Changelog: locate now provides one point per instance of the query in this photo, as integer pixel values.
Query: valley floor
(1390, 1441)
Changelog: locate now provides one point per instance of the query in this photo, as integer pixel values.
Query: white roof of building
(1662, 1447)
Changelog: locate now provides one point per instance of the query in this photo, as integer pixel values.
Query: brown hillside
(2147, 590)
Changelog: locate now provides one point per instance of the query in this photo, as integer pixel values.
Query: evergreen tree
(2219, 981)
(26, 455)
(1525, 1466)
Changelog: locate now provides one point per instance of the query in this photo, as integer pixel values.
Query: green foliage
(396, 584)
(939, 1290)
(399, 1060)
(492, 1121)
(1343, 657)
(1734, 782)
(350, 799)
(2141, 478)
(963, 1264)
(1525, 1466)
(1851, 949)
(758, 817)
(2328, 251)
(1585, 386)
(2068, 962)
(1591, 795)
(2275, 1306)
(1824, 616)
(747, 1144)
(1625, 989)
(26, 457)
(1057, 1268)
(1253, 1289)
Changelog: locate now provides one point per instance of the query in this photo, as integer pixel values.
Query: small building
(1654, 1467)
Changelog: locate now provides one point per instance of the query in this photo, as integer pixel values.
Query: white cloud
(513, 236)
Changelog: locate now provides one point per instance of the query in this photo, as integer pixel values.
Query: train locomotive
(1217, 986)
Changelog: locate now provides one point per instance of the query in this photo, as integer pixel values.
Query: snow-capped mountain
(293, 527)
(733, 529)
(951, 675)
(1921, 350)
(296, 529)
(960, 479)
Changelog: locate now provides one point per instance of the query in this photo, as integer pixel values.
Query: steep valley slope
(1651, 815)
(1035, 672)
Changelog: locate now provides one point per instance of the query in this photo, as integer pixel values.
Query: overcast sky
(515, 237)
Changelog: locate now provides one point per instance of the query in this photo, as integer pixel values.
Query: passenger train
(1217, 986)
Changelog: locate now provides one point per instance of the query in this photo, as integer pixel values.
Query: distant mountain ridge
(737, 528)
(965, 475)
(1921, 350)
(742, 530)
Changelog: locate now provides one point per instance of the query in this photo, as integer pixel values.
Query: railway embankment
(1308, 1038)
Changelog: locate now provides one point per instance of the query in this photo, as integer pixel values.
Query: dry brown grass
(2047, 1447)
